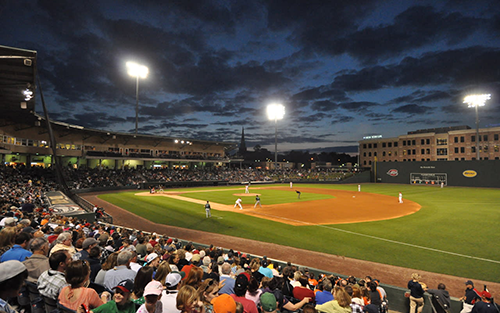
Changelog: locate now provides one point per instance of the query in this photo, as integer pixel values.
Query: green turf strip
(452, 219)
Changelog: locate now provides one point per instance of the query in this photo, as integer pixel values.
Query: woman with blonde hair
(7, 236)
(207, 291)
(162, 271)
(194, 277)
(188, 300)
(110, 263)
(417, 290)
(341, 304)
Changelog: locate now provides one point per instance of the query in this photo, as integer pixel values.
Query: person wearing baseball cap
(470, 298)
(485, 305)
(268, 302)
(169, 297)
(12, 276)
(121, 302)
(240, 288)
(224, 304)
(153, 260)
(152, 295)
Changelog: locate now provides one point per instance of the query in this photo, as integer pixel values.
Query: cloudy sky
(343, 69)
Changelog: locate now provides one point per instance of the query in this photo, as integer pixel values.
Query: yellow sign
(469, 173)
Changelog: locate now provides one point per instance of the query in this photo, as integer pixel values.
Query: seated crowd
(102, 268)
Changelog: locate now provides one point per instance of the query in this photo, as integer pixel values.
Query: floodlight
(275, 111)
(475, 101)
(137, 70)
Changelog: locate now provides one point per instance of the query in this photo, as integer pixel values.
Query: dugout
(482, 173)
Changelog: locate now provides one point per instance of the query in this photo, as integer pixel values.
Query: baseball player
(238, 203)
(298, 194)
(208, 209)
(246, 188)
(400, 197)
(257, 201)
(359, 188)
(291, 185)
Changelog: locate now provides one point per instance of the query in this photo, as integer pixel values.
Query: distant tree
(257, 148)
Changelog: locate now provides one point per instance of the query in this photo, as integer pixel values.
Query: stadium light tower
(137, 71)
(477, 101)
(275, 112)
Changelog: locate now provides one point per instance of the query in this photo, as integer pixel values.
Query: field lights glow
(477, 100)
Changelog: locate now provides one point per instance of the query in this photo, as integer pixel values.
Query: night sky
(342, 69)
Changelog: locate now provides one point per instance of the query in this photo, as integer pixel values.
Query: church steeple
(243, 147)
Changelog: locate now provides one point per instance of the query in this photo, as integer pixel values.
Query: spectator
(169, 296)
(73, 296)
(133, 262)
(121, 299)
(470, 298)
(52, 281)
(141, 248)
(108, 265)
(207, 291)
(416, 294)
(7, 238)
(441, 295)
(194, 277)
(143, 277)
(87, 244)
(38, 262)
(341, 304)
(268, 301)
(325, 295)
(240, 289)
(485, 305)
(228, 287)
(18, 251)
(302, 291)
(94, 262)
(152, 293)
(57, 231)
(162, 272)
(121, 272)
(64, 242)
(188, 300)
(12, 276)
(253, 293)
(224, 304)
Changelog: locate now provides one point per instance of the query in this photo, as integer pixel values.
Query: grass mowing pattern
(453, 219)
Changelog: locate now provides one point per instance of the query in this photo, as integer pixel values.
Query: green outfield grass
(455, 232)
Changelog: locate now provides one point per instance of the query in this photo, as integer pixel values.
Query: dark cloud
(413, 109)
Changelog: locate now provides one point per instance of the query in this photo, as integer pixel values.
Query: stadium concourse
(123, 260)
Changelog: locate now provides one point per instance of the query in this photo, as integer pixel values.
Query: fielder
(400, 197)
(238, 203)
(208, 209)
(298, 194)
(246, 189)
(291, 185)
(257, 201)
(359, 188)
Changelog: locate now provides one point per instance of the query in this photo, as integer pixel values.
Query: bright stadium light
(137, 71)
(475, 101)
(275, 111)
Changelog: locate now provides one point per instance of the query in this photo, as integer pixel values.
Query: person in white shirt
(238, 203)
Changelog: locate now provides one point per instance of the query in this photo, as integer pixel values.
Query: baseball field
(449, 230)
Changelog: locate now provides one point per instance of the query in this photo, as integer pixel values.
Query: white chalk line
(385, 239)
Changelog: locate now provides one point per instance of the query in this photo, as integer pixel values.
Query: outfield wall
(453, 173)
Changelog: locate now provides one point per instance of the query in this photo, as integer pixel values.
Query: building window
(414, 151)
(383, 153)
(462, 149)
(455, 139)
(409, 152)
(395, 144)
(389, 153)
(495, 137)
(485, 137)
(427, 141)
(395, 153)
(383, 144)
(374, 145)
(422, 151)
(364, 154)
(364, 146)
(422, 142)
(441, 141)
(473, 138)
(456, 148)
(427, 151)
(442, 151)
(413, 142)
(485, 149)
(495, 148)
(375, 153)
(369, 146)
(404, 142)
(389, 144)
(462, 139)
(369, 162)
(404, 152)
(369, 154)
(473, 149)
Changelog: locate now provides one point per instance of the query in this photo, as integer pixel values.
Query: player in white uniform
(246, 189)
(400, 197)
(238, 203)
(291, 185)
(359, 188)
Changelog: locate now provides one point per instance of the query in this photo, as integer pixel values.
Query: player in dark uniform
(298, 194)
(208, 209)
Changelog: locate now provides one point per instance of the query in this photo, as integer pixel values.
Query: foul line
(384, 239)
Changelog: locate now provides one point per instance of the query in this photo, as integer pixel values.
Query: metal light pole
(477, 101)
(137, 71)
(275, 112)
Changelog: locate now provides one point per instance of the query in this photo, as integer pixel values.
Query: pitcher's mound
(246, 194)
